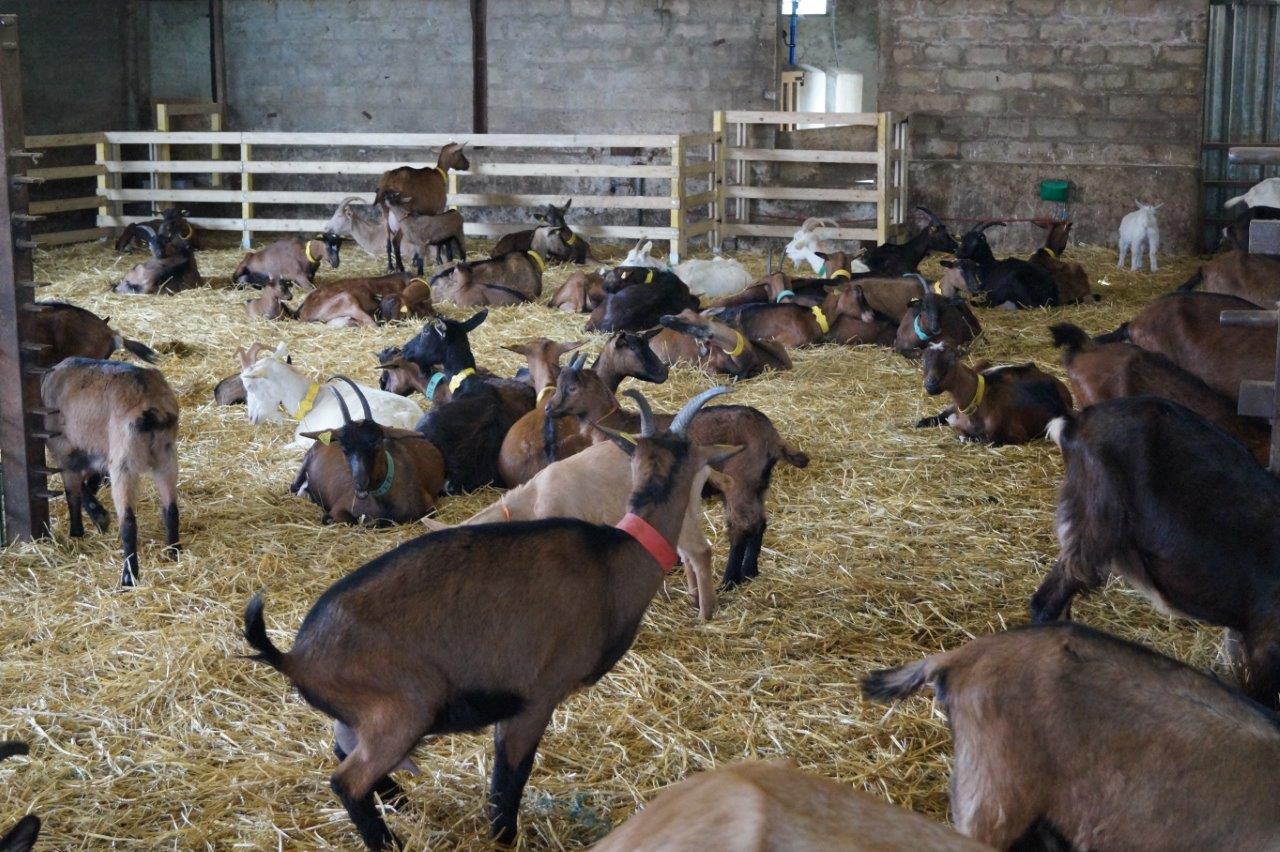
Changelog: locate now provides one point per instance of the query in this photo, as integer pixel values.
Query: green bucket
(1055, 190)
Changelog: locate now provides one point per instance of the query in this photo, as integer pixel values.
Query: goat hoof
(127, 580)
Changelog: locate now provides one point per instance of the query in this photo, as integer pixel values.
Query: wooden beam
(217, 53)
(479, 67)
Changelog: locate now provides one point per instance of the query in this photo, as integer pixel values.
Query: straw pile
(149, 731)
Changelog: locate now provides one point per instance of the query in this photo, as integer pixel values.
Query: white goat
(365, 224)
(271, 384)
(805, 245)
(1137, 228)
(594, 485)
(642, 255)
(1265, 193)
(714, 278)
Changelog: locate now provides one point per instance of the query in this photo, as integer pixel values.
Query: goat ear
(243, 356)
(623, 441)
(325, 436)
(650, 333)
(475, 320)
(565, 348)
(282, 350)
(518, 348)
(716, 454)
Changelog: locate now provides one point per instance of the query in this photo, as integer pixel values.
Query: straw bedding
(149, 731)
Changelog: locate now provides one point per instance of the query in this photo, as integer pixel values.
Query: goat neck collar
(306, 247)
(841, 273)
(785, 294)
(654, 543)
(937, 287)
(978, 394)
(823, 323)
(460, 377)
(389, 478)
(1053, 254)
(543, 394)
(430, 390)
(740, 343)
(921, 334)
(190, 231)
(537, 258)
(573, 239)
(443, 174)
(308, 401)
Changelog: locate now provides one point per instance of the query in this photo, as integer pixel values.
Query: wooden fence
(46, 178)
(702, 180)
(876, 175)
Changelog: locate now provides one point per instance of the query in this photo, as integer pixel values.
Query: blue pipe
(791, 37)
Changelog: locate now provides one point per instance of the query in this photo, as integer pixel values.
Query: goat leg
(733, 575)
(167, 486)
(751, 554)
(515, 742)
(939, 419)
(97, 512)
(129, 544)
(1052, 600)
(385, 787)
(419, 265)
(73, 485)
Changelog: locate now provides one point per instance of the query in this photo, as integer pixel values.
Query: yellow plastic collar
(821, 318)
(307, 248)
(537, 258)
(308, 401)
(444, 176)
(648, 278)
(937, 287)
(543, 394)
(841, 273)
(740, 345)
(1053, 254)
(977, 397)
(459, 378)
(573, 239)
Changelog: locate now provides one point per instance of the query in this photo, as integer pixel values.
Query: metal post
(26, 507)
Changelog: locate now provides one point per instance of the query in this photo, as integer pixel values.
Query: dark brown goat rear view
(388, 654)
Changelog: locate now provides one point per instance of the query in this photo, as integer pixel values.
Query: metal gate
(1241, 101)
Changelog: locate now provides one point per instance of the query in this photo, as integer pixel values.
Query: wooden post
(882, 178)
(452, 188)
(904, 163)
(479, 67)
(160, 151)
(246, 187)
(26, 507)
(1257, 398)
(215, 153)
(717, 179)
(108, 152)
(678, 246)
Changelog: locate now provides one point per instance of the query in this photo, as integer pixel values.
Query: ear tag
(325, 437)
(629, 438)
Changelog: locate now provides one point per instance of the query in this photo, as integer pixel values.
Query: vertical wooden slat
(1274, 461)
(160, 151)
(108, 152)
(882, 178)
(246, 186)
(26, 511)
(215, 124)
(717, 177)
(677, 248)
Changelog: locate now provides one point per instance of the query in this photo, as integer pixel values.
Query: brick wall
(1005, 93)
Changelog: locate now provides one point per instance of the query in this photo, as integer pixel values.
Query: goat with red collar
(494, 624)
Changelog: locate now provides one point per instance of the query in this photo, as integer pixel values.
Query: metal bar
(26, 511)
(1257, 319)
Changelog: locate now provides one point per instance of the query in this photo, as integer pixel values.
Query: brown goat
(412, 303)
(1186, 329)
(552, 606)
(292, 259)
(1048, 720)
(522, 454)
(553, 239)
(792, 325)
(934, 318)
(443, 232)
(171, 269)
(717, 348)
(351, 301)
(582, 393)
(512, 279)
(1104, 371)
(424, 192)
(1071, 279)
(1253, 277)
(996, 405)
(364, 472)
(581, 293)
(270, 304)
(68, 331)
(772, 805)
(121, 421)
(172, 223)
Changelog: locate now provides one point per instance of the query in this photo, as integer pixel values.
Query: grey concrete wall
(554, 65)
(1005, 93)
(74, 64)
(847, 38)
(176, 38)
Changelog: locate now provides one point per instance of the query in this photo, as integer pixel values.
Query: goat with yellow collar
(289, 259)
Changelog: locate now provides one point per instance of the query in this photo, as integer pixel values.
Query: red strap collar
(651, 540)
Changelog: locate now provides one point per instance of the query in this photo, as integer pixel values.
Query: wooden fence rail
(50, 176)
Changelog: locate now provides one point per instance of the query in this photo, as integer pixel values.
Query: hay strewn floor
(148, 730)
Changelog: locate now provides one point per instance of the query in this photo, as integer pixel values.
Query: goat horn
(932, 217)
(685, 416)
(918, 277)
(346, 413)
(983, 227)
(647, 427)
(578, 361)
(355, 388)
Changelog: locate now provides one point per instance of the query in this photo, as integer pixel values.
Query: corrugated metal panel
(1242, 99)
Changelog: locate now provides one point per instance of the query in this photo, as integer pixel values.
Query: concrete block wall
(1005, 93)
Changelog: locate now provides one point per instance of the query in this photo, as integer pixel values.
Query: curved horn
(151, 232)
(364, 403)
(685, 416)
(346, 414)
(578, 361)
(932, 216)
(918, 277)
(647, 427)
(983, 227)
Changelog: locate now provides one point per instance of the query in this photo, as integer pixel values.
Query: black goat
(1011, 282)
(22, 837)
(637, 297)
(893, 259)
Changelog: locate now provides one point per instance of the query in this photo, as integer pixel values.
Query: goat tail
(1120, 335)
(1061, 429)
(1193, 282)
(141, 350)
(900, 682)
(792, 456)
(255, 633)
(1234, 200)
(549, 438)
(1071, 337)
(11, 748)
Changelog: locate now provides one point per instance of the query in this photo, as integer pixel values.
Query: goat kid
(394, 668)
(521, 455)
(270, 305)
(1140, 229)
(1069, 278)
(421, 191)
(120, 421)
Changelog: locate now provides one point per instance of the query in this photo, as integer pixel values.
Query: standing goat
(120, 421)
(1066, 738)
(366, 225)
(364, 472)
(1181, 510)
(443, 232)
(1138, 229)
(552, 606)
(423, 192)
